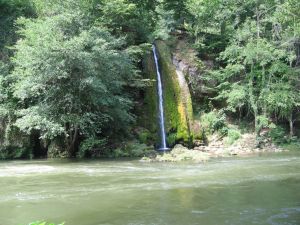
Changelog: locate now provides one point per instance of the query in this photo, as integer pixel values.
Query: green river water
(252, 190)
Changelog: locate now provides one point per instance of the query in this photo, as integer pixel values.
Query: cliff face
(177, 99)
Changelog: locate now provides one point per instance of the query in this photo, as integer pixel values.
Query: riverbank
(202, 154)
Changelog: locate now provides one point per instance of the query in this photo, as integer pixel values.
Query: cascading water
(163, 146)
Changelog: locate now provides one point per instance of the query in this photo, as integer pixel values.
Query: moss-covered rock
(179, 154)
(147, 115)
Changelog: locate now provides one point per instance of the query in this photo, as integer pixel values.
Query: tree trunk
(253, 105)
(291, 122)
(264, 106)
(73, 141)
(256, 124)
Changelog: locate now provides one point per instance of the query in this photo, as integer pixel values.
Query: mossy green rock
(148, 111)
(180, 154)
(177, 105)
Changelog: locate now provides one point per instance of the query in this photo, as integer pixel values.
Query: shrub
(118, 153)
(91, 147)
(277, 134)
(213, 121)
(292, 146)
(171, 139)
(145, 136)
(131, 149)
(232, 136)
(15, 152)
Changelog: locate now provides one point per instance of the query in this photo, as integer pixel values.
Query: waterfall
(163, 146)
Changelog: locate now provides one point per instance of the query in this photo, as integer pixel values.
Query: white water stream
(163, 146)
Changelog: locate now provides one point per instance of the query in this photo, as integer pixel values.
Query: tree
(134, 20)
(283, 99)
(178, 7)
(68, 79)
(9, 12)
(259, 67)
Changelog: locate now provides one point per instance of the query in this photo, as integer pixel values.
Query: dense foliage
(257, 44)
(70, 70)
(69, 76)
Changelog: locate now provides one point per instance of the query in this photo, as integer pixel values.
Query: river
(252, 190)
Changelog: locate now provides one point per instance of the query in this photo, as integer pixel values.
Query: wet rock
(181, 153)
